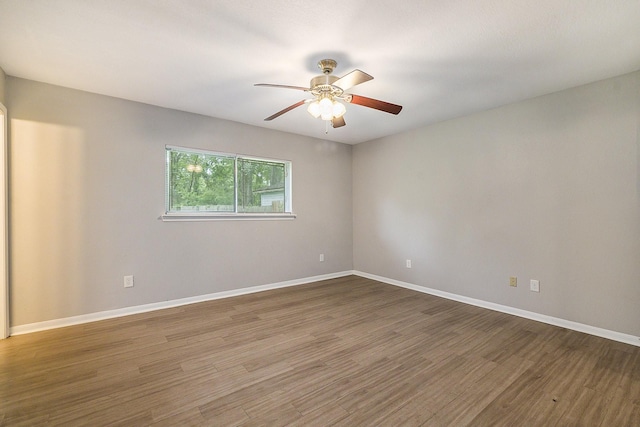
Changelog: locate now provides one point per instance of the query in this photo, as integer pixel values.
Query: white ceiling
(439, 59)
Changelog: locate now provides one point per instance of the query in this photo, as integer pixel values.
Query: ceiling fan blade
(351, 79)
(338, 122)
(286, 110)
(282, 86)
(374, 103)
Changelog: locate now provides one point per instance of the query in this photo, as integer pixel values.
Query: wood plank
(346, 351)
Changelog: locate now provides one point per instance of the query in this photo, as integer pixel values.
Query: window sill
(225, 217)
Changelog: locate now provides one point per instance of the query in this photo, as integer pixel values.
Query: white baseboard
(93, 317)
(587, 329)
(110, 314)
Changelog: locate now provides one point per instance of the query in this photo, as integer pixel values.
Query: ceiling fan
(327, 90)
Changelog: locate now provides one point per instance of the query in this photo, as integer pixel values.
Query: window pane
(261, 186)
(200, 182)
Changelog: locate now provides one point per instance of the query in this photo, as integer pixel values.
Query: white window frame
(214, 216)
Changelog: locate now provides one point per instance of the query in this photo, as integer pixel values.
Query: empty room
(367, 213)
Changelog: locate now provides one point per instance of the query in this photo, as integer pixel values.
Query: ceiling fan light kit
(326, 109)
(328, 90)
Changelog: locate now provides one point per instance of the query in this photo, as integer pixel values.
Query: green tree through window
(260, 184)
(199, 181)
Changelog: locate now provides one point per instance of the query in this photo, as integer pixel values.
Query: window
(207, 184)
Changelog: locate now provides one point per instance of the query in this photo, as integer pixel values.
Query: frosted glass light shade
(338, 109)
(314, 109)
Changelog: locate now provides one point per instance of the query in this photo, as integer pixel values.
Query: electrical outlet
(534, 285)
(408, 263)
(321, 257)
(513, 281)
(128, 281)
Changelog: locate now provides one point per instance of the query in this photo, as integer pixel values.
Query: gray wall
(547, 189)
(87, 188)
(544, 189)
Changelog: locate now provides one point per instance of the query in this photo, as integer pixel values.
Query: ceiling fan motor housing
(323, 85)
(322, 81)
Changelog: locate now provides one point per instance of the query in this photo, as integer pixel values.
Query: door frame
(4, 233)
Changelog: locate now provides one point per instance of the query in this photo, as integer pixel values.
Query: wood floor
(344, 352)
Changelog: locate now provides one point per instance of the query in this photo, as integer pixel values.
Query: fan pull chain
(326, 127)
